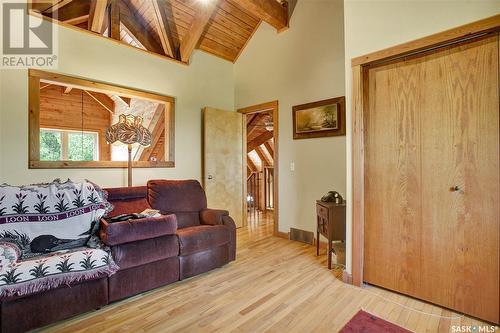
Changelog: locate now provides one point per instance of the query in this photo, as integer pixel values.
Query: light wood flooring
(275, 285)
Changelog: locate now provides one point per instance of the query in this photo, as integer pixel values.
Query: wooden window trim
(36, 76)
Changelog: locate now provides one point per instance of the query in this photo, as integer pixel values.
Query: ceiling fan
(268, 123)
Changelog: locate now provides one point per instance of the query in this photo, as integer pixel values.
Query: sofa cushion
(53, 270)
(201, 238)
(187, 219)
(145, 251)
(174, 196)
(128, 200)
(114, 233)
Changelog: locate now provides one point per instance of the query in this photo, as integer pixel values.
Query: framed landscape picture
(319, 119)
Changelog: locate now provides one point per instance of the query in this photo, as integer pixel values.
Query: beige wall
(1, 122)
(373, 25)
(303, 64)
(208, 81)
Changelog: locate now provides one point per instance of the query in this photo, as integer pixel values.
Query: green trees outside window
(59, 145)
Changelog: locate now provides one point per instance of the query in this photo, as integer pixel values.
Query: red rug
(363, 322)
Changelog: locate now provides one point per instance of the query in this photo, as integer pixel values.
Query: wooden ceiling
(171, 28)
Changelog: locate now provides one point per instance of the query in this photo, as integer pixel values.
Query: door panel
(392, 179)
(460, 144)
(432, 124)
(223, 161)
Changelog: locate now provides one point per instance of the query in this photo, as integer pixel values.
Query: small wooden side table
(331, 224)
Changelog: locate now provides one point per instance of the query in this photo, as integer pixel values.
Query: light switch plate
(292, 166)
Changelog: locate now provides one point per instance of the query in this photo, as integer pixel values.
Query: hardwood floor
(275, 285)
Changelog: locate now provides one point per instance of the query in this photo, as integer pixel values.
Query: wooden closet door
(460, 147)
(393, 178)
(432, 124)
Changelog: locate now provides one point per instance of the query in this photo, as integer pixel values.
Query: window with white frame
(67, 145)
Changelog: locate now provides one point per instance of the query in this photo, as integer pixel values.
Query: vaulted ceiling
(172, 28)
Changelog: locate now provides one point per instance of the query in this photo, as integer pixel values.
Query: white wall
(208, 81)
(373, 25)
(304, 64)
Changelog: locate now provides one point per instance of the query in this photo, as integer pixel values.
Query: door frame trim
(360, 66)
(274, 106)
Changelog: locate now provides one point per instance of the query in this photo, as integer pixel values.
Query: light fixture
(129, 131)
(269, 123)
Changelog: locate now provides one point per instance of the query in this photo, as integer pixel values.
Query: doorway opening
(260, 163)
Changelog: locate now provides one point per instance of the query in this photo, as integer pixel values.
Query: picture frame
(319, 119)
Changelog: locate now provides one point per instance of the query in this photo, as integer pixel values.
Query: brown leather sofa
(188, 240)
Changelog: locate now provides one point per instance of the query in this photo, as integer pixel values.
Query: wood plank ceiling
(172, 28)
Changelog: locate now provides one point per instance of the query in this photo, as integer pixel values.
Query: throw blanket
(52, 270)
(50, 217)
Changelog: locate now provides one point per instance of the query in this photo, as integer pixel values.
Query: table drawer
(322, 212)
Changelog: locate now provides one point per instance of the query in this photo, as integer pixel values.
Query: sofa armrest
(212, 216)
(135, 230)
(221, 217)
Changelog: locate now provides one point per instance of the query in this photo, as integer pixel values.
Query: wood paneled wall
(60, 110)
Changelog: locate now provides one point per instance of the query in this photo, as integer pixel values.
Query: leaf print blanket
(53, 270)
(50, 217)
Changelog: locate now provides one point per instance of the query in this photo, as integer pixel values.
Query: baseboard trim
(284, 235)
(346, 277)
(300, 235)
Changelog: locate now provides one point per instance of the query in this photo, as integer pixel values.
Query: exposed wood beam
(67, 90)
(259, 140)
(99, 101)
(253, 124)
(251, 165)
(78, 20)
(269, 11)
(158, 132)
(114, 20)
(251, 117)
(125, 100)
(57, 5)
(159, 116)
(161, 22)
(42, 5)
(97, 15)
(263, 157)
(72, 11)
(269, 147)
(136, 28)
(254, 120)
(200, 21)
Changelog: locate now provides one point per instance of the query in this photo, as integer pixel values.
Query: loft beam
(193, 36)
